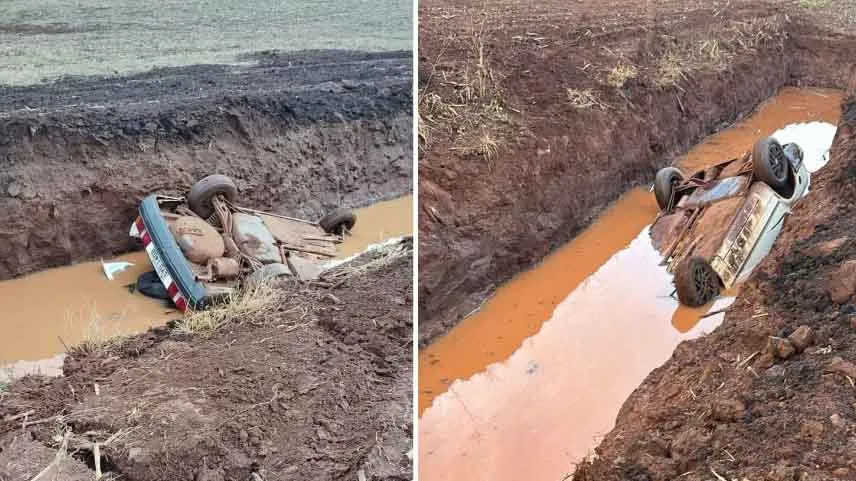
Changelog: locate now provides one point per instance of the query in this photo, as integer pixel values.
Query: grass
(465, 101)
(681, 60)
(251, 304)
(585, 99)
(96, 333)
(620, 74)
(814, 3)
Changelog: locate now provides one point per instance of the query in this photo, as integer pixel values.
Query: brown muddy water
(45, 312)
(507, 395)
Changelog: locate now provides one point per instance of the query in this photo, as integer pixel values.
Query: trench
(525, 387)
(51, 310)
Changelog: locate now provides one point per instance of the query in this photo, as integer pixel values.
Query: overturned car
(204, 246)
(716, 226)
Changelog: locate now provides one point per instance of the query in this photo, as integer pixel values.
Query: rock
(836, 420)
(811, 429)
(853, 321)
(828, 247)
(728, 410)
(766, 360)
(802, 337)
(776, 371)
(14, 189)
(841, 472)
(784, 348)
(840, 366)
(841, 283)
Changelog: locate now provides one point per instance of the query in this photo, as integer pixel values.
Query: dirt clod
(812, 429)
(784, 348)
(841, 283)
(802, 337)
(841, 472)
(840, 366)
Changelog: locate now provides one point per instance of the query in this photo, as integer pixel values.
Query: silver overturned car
(204, 246)
(716, 225)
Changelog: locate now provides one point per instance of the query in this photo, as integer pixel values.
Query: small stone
(841, 472)
(776, 371)
(836, 420)
(853, 321)
(14, 189)
(840, 366)
(802, 337)
(784, 348)
(766, 360)
(811, 429)
(841, 283)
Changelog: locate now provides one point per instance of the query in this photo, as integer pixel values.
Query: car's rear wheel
(199, 198)
(337, 221)
(665, 185)
(696, 282)
(772, 167)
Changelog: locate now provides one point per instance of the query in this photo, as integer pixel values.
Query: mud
(717, 405)
(505, 133)
(300, 133)
(320, 389)
(87, 307)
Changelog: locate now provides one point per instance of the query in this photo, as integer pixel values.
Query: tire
(337, 221)
(267, 272)
(664, 186)
(696, 282)
(199, 198)
(150, 285)
(772, 167)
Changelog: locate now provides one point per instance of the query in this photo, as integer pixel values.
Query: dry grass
(464, 100)
(680, 61)
(99, 332)
(585, 99)
(254, 303)
(620, 74)
(381, 257)
(814, 3)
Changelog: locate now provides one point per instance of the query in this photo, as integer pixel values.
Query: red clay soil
(535, 116)
(320, 389)
(761, 397)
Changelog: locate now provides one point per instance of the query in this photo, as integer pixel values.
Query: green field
(49, 38)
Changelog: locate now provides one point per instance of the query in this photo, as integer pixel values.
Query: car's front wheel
(771, 166)
(696, 282)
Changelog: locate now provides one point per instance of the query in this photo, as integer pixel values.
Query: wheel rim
(705, 284)
(777, 160)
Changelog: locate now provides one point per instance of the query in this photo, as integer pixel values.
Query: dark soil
(301, 133)
(711, 408)
(320, 389)
(513, 163)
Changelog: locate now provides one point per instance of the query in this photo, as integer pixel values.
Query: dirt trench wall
(68, 195)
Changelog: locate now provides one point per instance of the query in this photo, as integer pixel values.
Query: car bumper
(166, 257)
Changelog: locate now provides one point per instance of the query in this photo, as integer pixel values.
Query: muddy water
(537, 395)
(47, 311)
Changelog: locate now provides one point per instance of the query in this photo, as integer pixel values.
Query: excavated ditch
(317, 386)
(300, 134)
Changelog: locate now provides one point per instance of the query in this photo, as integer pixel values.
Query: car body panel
(755, 228)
